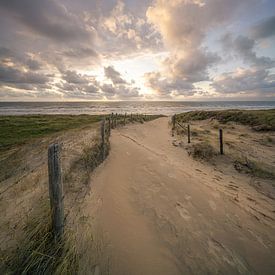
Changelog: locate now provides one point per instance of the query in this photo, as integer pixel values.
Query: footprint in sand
(182, 211)
(172, 176)
(212, 205)
(187, 197)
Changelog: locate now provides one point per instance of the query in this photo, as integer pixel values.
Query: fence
(175, 122)
(55, 172)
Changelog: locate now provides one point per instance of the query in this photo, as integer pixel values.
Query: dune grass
(15, 130)
(39, 252)
(260, 120)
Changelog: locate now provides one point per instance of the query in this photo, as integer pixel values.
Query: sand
(158, 211)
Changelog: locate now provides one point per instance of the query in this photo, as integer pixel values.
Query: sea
(141, 107)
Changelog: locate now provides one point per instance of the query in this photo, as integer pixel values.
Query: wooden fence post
(56, 190)
(115, 120)
(112, 118)
(173, 124)
(103, 138)
(188, 133)
(221, 141)
(125, 119)
(109, 125)
(131, 117)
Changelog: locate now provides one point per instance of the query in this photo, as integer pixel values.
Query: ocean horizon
(145, 107)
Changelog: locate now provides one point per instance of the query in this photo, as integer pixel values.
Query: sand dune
(161, 212)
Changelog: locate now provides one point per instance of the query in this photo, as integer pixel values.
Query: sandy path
(163, 213)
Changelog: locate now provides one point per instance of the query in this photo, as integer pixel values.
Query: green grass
(258, 119)
(16, 130)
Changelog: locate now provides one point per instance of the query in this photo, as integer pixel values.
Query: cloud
(122, 32)
(244, 48)
(47, 46)
(168, 87)
(264, 29)
(80, 53)
(114, 75)
(10, 75)
(120, 92)
(244, 81)
(192, 66)
(184, 23)
(48, 18)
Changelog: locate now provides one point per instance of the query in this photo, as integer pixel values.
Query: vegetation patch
(255, 169)
(16, 130)
(39, 252)
(202, 151)
(259, 120)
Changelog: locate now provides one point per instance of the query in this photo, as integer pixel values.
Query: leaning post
(221, 141)
(188, 133)
(56, 190)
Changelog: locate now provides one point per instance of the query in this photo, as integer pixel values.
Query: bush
(203, 150)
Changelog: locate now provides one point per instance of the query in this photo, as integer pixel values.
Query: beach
(141, 107)
(157, 204)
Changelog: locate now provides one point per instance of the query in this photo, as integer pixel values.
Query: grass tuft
(202, 151)
(39, 253)
(259, 120)
(248, 166)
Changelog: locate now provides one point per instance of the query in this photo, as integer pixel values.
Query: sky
(67, 50)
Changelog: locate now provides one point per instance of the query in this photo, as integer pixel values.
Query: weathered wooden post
(115, 120)
(125, 119)
(173, 124)
(131, 117)
(112, 118)
(109, 125)
(56, 191)
(188, 133)
(221, 141)
(103, 138)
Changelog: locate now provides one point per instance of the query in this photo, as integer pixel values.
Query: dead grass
(259, 120)
(201, 151)
(248, 166)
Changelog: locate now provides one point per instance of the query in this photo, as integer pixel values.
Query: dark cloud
(192, 66)
(244, 80)
(10, 75)
(264, 29)
(244, 47)
(167, 87)
(75, 78)
(120, 91)
(114, 75)
(48, 18)
(80, 53)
